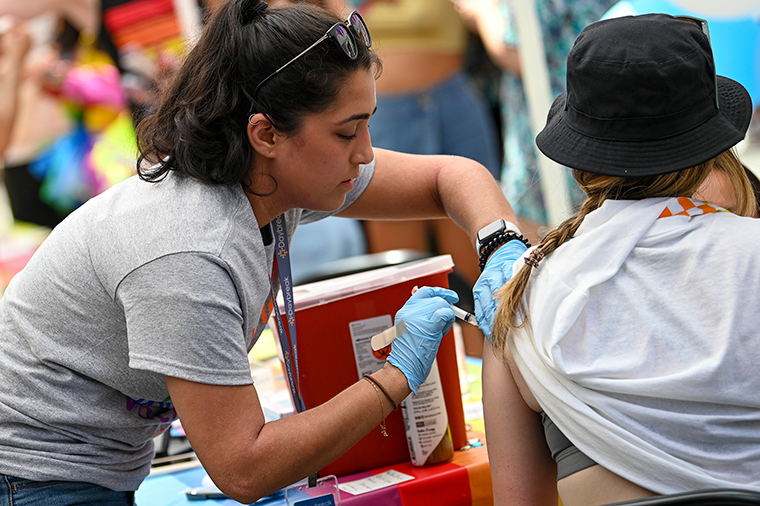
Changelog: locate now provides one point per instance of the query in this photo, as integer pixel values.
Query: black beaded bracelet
(495, 242)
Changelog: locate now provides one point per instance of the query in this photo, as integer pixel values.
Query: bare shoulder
(522, 386)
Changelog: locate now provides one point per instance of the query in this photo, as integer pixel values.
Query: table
(466, 480)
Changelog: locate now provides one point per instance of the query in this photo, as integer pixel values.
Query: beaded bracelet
(495, 242)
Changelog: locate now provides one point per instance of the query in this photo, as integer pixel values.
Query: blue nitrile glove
(498, 271)
(428, 316)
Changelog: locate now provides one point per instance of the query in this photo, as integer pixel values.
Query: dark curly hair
(198, 126)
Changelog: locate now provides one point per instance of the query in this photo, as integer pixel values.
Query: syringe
(386, 337)
(464, 315)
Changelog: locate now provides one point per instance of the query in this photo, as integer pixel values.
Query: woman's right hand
(428, 316)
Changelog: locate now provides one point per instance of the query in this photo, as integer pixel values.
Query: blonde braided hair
(510, 313)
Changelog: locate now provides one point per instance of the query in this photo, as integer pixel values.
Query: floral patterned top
(561, 22)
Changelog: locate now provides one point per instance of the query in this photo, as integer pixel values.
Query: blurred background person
(427, 105)
(82, 146)
(14, 45)
(561, 22)
(92, 74)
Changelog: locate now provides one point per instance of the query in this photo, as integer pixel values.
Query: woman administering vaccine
(142, 305)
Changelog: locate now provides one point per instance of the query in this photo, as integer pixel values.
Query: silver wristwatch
(492, 229)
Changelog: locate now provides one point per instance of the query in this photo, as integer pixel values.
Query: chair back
(717, 497)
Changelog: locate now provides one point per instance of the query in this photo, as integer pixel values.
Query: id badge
(324, 493)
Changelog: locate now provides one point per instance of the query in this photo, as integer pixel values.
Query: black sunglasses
(702, 24)
(345, 35)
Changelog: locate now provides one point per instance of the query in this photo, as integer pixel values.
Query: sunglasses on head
(345, 34)
(702, 24)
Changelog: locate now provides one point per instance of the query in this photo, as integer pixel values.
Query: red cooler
(335, 320)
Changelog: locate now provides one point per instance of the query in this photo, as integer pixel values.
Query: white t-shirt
(644, 344)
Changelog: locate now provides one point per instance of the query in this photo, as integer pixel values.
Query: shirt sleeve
(184, 319)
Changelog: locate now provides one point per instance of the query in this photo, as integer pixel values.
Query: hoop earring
(249, 121)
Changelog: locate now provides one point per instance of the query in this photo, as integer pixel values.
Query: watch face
(491, 229)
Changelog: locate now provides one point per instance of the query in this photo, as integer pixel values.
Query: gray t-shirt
(145, 280)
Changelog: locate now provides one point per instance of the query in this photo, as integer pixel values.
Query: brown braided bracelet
(383, 431)
(375, 382)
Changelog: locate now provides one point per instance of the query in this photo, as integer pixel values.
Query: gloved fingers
(497, 272)
(446, 317)
(435, 324)
(421, 306)
(483, 297)
(484, 313)
(425, 292)
(426, 318)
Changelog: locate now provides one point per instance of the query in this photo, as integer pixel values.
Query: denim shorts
(22, 492)
(448, 119)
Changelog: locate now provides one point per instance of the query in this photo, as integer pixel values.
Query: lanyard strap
(288, 338)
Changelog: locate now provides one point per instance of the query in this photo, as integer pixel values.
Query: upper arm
(522, 469)
(402, 186)
(221, 423)
(406, 186)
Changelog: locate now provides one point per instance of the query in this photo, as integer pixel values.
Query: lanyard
(288, 339)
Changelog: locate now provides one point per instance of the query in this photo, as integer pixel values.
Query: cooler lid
(330, 290)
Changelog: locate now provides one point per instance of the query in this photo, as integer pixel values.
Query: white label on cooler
(425, 417)
(368, 361)
(375, 482)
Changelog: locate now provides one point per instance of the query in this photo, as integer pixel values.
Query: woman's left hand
(497, 272)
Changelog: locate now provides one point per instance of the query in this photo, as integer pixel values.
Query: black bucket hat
(641, 100)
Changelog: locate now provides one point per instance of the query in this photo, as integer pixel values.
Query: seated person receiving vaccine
(623, 358)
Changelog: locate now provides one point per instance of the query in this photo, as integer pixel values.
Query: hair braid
(510, 313)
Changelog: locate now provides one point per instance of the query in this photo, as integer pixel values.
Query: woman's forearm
(248, 459)
(408, 186)
(14, 45)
